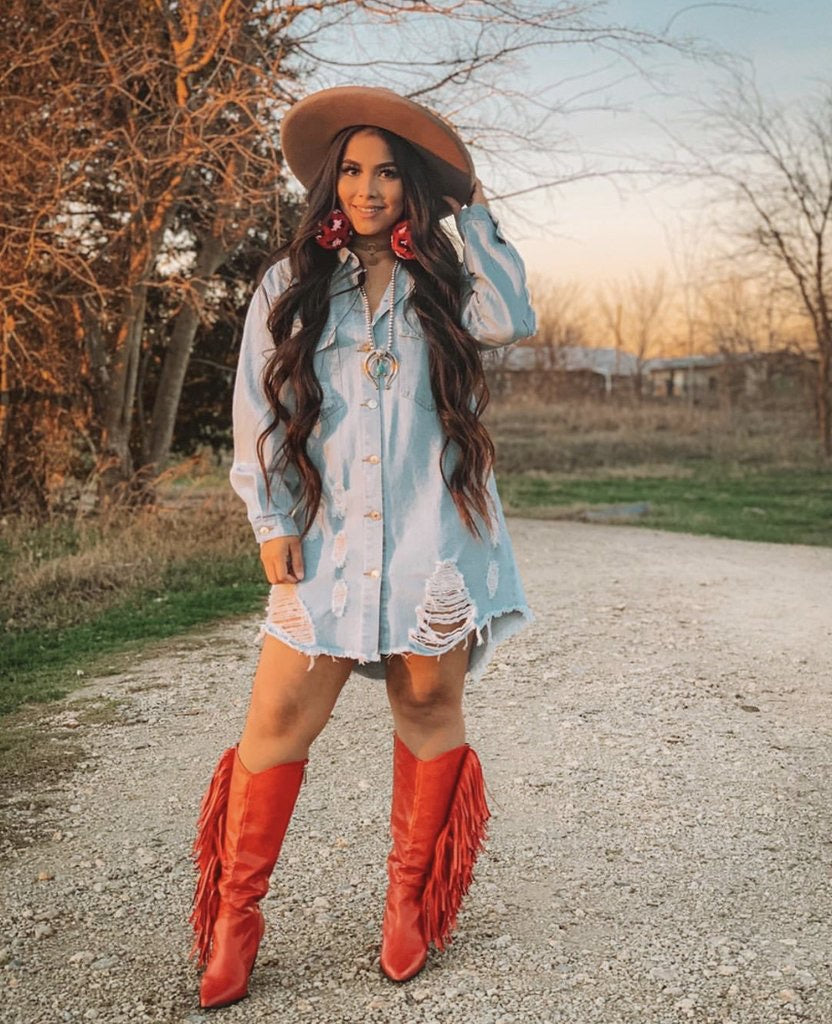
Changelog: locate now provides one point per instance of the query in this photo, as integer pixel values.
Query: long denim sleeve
(496, 307)
(251, 413)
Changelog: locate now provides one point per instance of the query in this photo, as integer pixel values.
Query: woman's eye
(387, 172)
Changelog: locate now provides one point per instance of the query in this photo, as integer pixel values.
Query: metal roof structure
(606, 362)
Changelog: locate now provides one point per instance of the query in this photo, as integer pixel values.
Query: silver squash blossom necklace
(380, 364)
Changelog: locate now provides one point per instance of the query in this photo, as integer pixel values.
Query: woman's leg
(290, 705)
(425, 695)
(247, 808)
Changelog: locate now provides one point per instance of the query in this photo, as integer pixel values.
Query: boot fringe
(206, 853)
(457, 847)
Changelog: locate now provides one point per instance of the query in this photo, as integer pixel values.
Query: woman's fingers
(297, 557)
(282, 559)
(478, 195)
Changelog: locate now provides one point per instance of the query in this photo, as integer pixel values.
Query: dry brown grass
(57, 573)
(585, 437)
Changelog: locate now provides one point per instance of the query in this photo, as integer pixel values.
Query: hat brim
(308, 128)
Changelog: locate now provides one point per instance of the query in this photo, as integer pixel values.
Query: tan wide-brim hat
(308, 128)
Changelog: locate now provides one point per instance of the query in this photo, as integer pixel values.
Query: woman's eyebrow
(378, 167)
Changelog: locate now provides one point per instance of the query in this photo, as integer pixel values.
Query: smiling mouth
(369, 210)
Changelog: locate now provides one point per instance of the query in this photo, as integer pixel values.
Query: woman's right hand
(282, 559)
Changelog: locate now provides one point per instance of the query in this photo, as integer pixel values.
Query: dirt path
(657, 746)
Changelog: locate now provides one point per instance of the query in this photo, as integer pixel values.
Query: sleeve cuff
(477, 213)
(278, 525)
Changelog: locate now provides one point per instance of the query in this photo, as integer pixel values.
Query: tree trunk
(116, 463)
(178, 355)
(822, 397)
(5, 398)
(89, 324)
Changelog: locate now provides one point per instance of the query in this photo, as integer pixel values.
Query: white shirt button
(375, 514)
(372, 404)
(374, 572)
(373, 459)
(264, 529)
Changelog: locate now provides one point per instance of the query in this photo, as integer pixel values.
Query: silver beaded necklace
(380, 364)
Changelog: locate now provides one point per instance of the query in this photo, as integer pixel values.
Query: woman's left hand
(477, 196)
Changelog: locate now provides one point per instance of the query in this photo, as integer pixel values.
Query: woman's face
(370, 188)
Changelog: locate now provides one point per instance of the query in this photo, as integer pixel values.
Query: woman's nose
(367, 188)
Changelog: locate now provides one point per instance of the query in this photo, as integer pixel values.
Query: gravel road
(657, 748)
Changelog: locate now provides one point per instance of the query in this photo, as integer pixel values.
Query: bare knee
(288, 702)
(430, 698)
(278, 715)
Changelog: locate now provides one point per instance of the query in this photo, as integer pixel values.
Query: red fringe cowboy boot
(438, 822)
(242, 822)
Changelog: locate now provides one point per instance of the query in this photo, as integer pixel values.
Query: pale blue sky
(595, 231)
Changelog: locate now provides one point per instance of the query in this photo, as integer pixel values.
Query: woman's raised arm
(496, 304)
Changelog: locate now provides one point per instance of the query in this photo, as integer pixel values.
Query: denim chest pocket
(325, 364)
(412, 382)
(413, 378)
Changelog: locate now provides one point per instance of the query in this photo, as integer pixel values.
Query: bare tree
(132, 126)
(151, 110)
(774, 166)
(633, 313)
(744, 316)
(561, 317)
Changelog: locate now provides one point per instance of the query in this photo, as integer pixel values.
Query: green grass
(39, 665)
(782, 506)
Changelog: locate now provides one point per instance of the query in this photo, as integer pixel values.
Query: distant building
(578, 371)
(563, 371)
(728, 377)
(675, 378)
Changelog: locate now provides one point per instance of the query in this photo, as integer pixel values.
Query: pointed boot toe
(237, 936)
(215, 992)
(404, 948)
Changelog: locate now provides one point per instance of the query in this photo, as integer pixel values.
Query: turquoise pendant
(381, 365)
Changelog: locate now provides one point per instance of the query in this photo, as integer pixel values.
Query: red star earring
(402, 241)
(334, 231)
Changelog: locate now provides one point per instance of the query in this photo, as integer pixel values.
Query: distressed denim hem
(500, 625)
(313, 651)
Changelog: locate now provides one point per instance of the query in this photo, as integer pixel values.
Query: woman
(367, 475)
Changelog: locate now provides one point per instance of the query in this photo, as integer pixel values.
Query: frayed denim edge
(473, 673)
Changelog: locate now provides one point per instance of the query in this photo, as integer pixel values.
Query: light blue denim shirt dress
(388, 557)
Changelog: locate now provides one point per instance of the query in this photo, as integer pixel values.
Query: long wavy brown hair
(458, 382)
